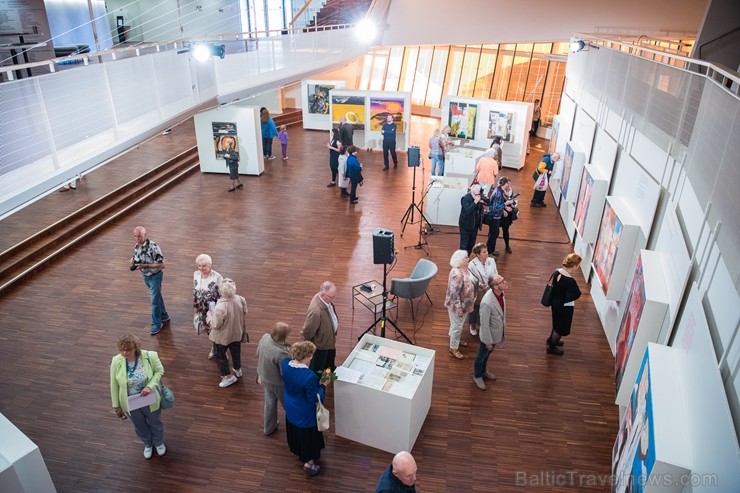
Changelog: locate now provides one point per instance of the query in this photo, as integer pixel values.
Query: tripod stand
(383, 319)
(408, 216)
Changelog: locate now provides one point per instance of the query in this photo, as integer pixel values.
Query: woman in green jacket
(135, 372)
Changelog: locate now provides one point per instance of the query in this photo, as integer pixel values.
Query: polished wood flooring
(547, 423)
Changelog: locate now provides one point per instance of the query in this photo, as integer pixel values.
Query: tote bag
(322, 415)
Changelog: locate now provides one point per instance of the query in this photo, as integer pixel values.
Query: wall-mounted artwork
(630, 322)
(462, 119)
(567, 168)
(633, 455)
(605, 252)
(583, 201)
(380, 108)
(350, 107)
(318, 98)
(501, 123)
(224, 134)
(555, 130)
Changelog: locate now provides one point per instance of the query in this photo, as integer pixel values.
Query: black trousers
(323, 359)
(389, 146)
(493, 230)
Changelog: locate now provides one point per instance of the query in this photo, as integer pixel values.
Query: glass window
(537, 72)
(485, 71)
(469, 71)
(379, 69)
(367, 63)
(421, 77)
(409, 67)
(519, 72)
(393, 72)
(454, 69)
(260, 19)
(502, 73)
(437, 76)
(552, 92)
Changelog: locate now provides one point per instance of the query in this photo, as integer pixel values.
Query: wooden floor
(547, 424)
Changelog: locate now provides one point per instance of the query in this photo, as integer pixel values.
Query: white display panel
(615, 246)
(352, 106)
(634, 184)
(316, 102)
(478, 120)
(652, 158)
(235, 123)
(590, 203)
(643, 316)
(651, 452)
(604, 153)
(573, 160)
(443, 200)
(383, 393)
(584, 128)
(713, 442)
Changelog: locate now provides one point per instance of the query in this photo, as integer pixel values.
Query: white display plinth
(383, 393)
(590, 203)
(643, 315)
(461, 161)
(22, 469)
(615, 247)
(652, 447)
(443, 200)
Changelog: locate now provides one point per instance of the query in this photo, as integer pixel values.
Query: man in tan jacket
(321, 327)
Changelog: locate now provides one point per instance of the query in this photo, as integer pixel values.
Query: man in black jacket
(471, 206)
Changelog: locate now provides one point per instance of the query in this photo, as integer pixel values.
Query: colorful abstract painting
(462, 120)
(380, 108)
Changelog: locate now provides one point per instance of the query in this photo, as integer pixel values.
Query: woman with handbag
(137, 372)
(565, 292)
(302, 389)
(459, 299)
(206, 285)
(227, 319)
(481, 267)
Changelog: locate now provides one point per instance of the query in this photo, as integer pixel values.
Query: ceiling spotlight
(203, 52)
(577, 45)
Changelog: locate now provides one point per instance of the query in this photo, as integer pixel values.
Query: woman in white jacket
(482, 268)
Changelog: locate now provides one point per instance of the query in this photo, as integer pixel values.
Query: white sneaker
(161, 449)
(147, 452)
(210, 355)
(473, 332)
(271, 158)
(239, 373)
(227, 380)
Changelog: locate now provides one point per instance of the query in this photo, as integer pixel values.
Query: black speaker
(383, 252)
(413, 156)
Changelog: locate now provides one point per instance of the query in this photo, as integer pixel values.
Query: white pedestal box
(443, 200)
(590, 203)
(383, 393)
(230, 123)
(643, 315)
(461, 161)
(652, 451)
(22, 469)
(615, 247)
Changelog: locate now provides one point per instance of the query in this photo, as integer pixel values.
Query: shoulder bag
(547, 295)
(322, 415)
(167, 397)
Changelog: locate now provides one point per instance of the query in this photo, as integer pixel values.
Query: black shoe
(508, 250)
(395, 165)
(385, 168)
(353, 201)
(555, 350)
(241, 185)
(549, 342)
(332, 184)
(495, 253)
(232, 189)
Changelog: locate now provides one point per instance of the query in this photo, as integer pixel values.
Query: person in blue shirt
(354, 173)
(389, 141)
(302, 388)
(269, 132)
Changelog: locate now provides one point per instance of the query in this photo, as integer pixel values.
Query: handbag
(547, 294)
(541, 184)
(245, 337)
(167, 397)
(322, 415)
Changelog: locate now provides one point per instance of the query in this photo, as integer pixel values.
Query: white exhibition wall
(233, 122)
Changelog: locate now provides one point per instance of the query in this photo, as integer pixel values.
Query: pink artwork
(584, 198)
(605, 251)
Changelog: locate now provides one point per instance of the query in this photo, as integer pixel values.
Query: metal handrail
(115, 53)
(726, 77)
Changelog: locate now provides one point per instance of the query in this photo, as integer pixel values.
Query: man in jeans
(148, 259)
(492, 324)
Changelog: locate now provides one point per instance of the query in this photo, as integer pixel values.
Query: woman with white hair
(228, 325)
(487, 168)
(459, 299)
(206, 284)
